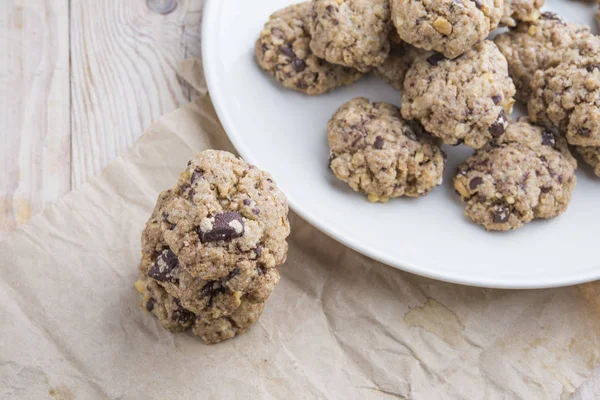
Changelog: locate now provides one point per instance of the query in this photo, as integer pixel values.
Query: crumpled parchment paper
(338, 326)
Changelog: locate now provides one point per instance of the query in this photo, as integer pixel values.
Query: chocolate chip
(150, 304)
(475, 182)
(197, 175)
(436, 59)
(234, 272)
(497, 99)
(591, 67)
(287, 51)
(501, 214)
(255, 211)
(298, 65)
(329, 8)
(585, 132)
(182, 316)
(225, 226)
(546, 189)
(247, 202)
(258, 250)
(548, 139)
(212, 288)
(165, 267)
(482, 199)
(379, 143)
(499, 126)
(477, 3)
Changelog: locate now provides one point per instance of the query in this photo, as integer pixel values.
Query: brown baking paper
(338, 326)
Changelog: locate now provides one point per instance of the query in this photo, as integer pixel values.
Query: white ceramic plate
(283, 132)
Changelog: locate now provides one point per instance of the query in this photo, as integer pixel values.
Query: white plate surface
(283, 132)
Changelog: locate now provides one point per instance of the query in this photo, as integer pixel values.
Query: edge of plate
(209, 17)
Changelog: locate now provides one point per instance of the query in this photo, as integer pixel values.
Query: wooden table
(80, 80)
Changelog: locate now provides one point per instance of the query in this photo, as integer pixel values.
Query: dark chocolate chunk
(165, 267)
(478, 3)
(182, 315)
(287, 51)
(298, 65)
(379, 143)
(585, 132)
(247, 202)
(225, 226)
(436, 59)
(258, 250)
(150, 304)
(475, 182)
(546, 189)
(497, 99)
(548, 139)
(501, 214)
(499, 126)
(255, 211)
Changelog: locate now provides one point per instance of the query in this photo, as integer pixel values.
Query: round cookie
(400, 59)
(379, 154)
(520, 10)
(465, 100)
(212, 245)
(353, 33)
(283, 50)
(450, 27)
(524, 174)
(567, 98)
(591, 156)
(538, 46)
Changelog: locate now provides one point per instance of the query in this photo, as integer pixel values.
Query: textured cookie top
(283, 50)
(400, 59)
(353, 33)
(450, 27)
(465, 100)
(215, 238)
(538, 46)
(525, 173)
(520, 10)
(567, 97)
(378, 153)
(591, 156)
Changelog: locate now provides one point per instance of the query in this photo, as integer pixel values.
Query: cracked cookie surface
(211, 247)
(465, 100)
(520, 10)
(353, 33)
(524, 174)
(450, 27)
(377, 153)
(401, 57)
(541, 45)
(283, 50)
(567, 97)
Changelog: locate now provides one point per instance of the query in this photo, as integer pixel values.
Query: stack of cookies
(458, 88)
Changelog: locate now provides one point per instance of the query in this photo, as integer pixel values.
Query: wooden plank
(35, 101)
(124, 60)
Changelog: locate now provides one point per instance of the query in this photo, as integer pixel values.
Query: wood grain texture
(34, 98)
(124, 60)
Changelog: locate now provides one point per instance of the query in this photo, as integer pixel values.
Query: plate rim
(219, 103)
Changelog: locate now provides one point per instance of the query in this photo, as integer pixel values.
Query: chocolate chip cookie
(520, 10)
(540, 45)
(524, 174)
(211, 247)
(567, 97)
(465, 100)
(353, 33)
(591, 156)
(450, 27)
(400, 59)
(377, 153)
(283, 50)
